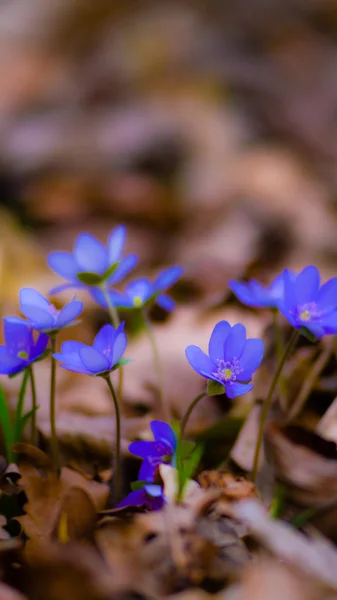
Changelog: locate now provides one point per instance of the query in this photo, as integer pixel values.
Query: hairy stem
(118, 474)
(54, 440)
(33, 430)
(158, 367)
(115, 322)
(188, 413)
(267, 403)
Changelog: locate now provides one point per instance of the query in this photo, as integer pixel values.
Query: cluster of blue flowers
(232, 358)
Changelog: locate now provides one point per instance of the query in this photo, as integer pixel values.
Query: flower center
(227, 371)
(23, 354)
(137, 301)
(307, 312)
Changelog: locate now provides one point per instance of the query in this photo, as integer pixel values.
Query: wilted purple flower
(21, 350)
(306, 304)
(232, 359)
(103, 356)
(156, 452)
(91, 263)
(150, 496)
(142, 291)
(42, 315)
(252, 293)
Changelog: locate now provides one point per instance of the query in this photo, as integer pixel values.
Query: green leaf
(191, 464)
(215, 388)
(6, 425)
(138, 485)
(110, 271)
(187, 449)
(89, 278)
(22, 424)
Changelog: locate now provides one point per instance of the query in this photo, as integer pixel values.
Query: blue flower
(150, 496)
(156, 452)
(232, 358)
(42, 315)
(91, 263)
(21, 349)
(254, 294)
(142, 291)
(103, 356)
(306, 304)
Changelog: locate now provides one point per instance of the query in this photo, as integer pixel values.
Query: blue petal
(69, 313)
(119, 348)
(105, 339)
(235, 342)
(237, 389)
(243, 292)
(307, 285)
(31, 296)
(163, 432)
(116, 244)
(251, 358)
(166, 302)
(139, 288)
(72, 362)
(329, 322)
(75, 369)
(143, 449)
(71, 346)
(327, 296)
(289, 303)
(125, 266)
(66, 286)
(116, 298)
(136, 498)
(148, 470)
(90, 254)
(18, 336)
(216, 346)
(167, 278)
(93, 360)
(8, 363)
(199, 361)
(64, 264)
(39, 346)
(40, 319)
(153, 490)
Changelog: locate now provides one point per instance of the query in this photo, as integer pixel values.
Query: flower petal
(93, 360)
(143, 449)
(116, 243)
(40, 319)
(69, 313)
(199, 361)
(119, 348)
(216, 346)
(105, 339)
(31, 296)
(8, 363)
(139, 288)
(235, 342)
(327, 296)
(64, 264)
(288, 304)
(307, 285)
(243, 292)
(251, 358)
(237, 389)
(329, 322)
(66, 286)
(163, 432)
(71, 346)
(125, 266)
(90, 254)
(167, 278)
(18, 336)
(148, 469)
(40, 346)
(166, 302)
(136, 498)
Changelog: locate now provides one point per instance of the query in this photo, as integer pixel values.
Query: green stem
(115, 322)
(267, 403)
(33, 430)
(53, 438)
(118, 477)
(157, 363)
(188, 413)
(19, 406)
(279, 355)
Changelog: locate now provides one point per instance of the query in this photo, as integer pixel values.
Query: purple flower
(150, 496)
(306, 304)
(156, 452)
(42, 315)
(232, 358)
(142, 291)
(91, 263)
(254, 294)
(21, 349)
(103, 356)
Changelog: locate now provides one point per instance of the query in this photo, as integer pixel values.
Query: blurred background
(208, 128)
